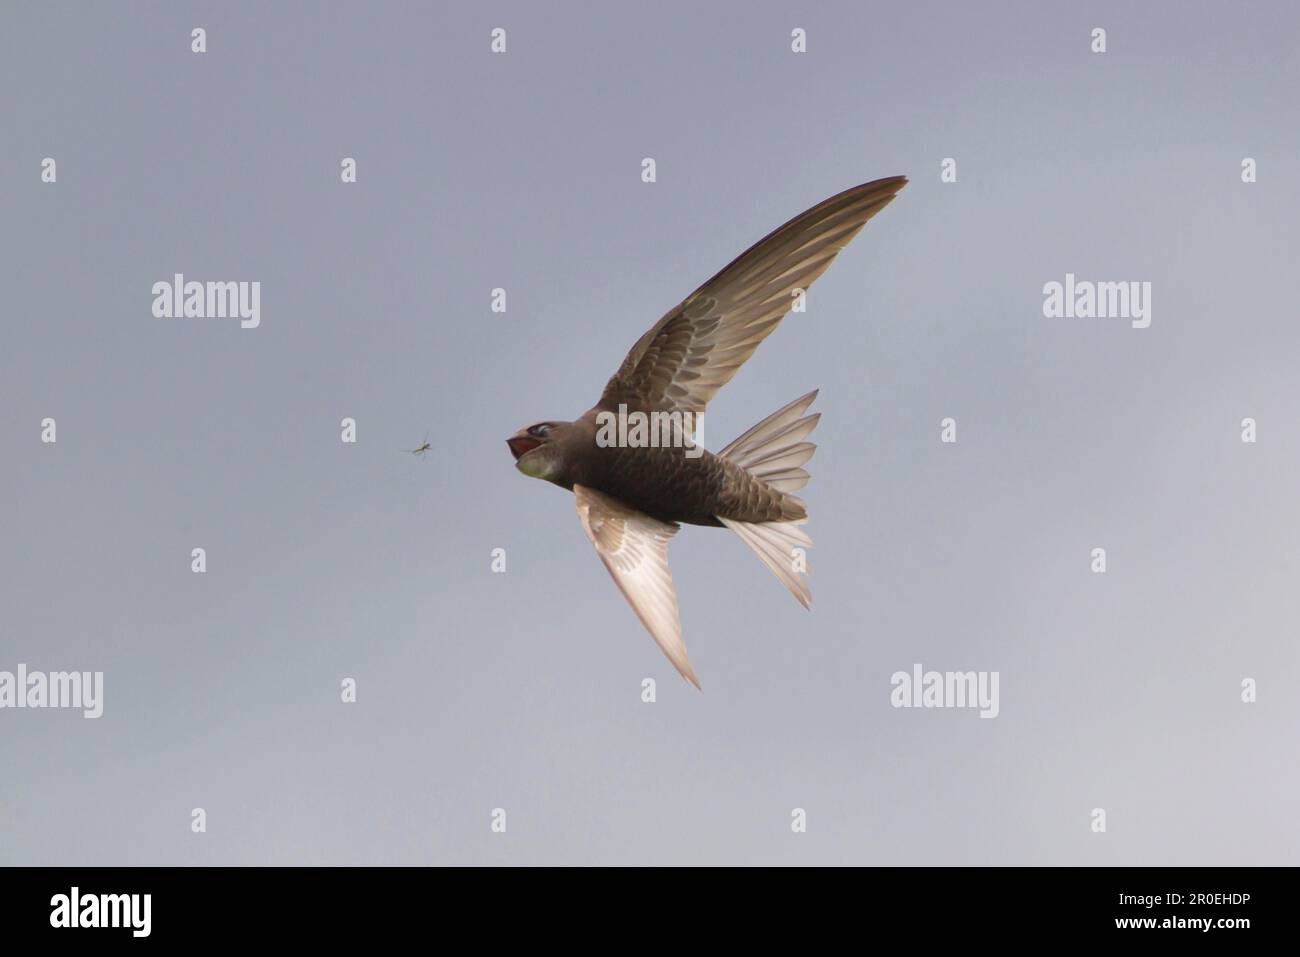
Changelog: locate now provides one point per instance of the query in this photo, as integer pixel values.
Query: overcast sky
(522, 691)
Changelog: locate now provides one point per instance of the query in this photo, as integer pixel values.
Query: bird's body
(632, 495)
(670, 486)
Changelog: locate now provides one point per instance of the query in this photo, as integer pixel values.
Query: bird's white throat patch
(535, 466)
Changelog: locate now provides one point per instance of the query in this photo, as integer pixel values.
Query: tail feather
(764, 437)
(790, 457)
(775, 544)
(774, 451)
(790, 480)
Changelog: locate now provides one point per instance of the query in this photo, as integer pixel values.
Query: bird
(633, 497)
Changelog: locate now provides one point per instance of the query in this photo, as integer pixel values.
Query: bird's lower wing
(634, 547)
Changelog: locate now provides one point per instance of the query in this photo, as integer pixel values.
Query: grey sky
(522, 690)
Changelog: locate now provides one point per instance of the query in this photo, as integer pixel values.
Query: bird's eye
(541, 431)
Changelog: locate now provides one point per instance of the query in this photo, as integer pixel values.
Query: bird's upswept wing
(696, 348)
(634, 547)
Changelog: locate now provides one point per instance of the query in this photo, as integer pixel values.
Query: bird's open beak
(519, 444)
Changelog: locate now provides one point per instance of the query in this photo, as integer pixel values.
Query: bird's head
(543, 450)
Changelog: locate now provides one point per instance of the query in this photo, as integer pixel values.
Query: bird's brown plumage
(630, 499)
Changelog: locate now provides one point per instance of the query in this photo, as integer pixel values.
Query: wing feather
(634, 547)
(695, 349)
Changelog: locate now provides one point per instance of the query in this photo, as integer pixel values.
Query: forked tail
(775, 451)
